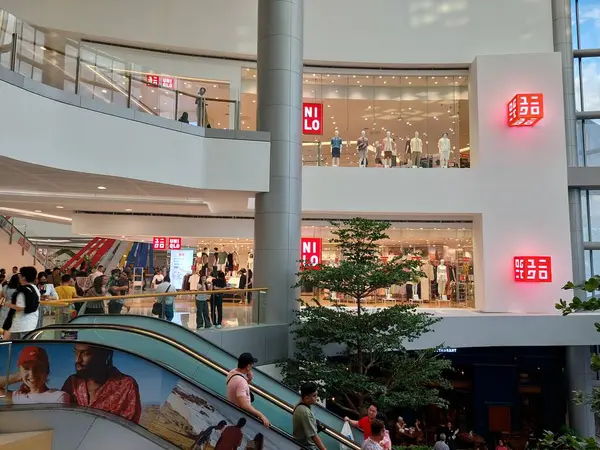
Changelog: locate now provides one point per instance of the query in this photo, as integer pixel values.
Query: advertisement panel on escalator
(133, 388)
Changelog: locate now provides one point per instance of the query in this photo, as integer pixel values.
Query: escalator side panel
(216, 354)
(131, 387)
(75, 429)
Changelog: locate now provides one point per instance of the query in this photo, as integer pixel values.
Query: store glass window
(589, 78)
(452, 245)
(589, 23)
(428, 113)
(585, 216)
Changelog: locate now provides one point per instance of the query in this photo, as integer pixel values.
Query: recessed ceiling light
(38, 211)
(59, 207)
(42, 47)
(102, 188)
(104, 91)
(128, 209)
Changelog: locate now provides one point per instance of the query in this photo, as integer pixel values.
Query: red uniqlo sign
(159, 243)
(174, 243)
(536, 269)
(158, 81)
(311, 251)
(312, 118)
(525, 110)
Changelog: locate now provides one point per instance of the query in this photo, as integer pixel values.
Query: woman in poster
(34, 369)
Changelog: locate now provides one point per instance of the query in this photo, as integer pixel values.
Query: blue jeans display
(216, 309)
(202, 317)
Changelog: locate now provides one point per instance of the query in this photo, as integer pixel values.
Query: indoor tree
(371, 363)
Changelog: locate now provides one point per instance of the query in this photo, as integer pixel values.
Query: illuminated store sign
(533, 269)
(163, 243)
(175, 243)
(525, 110)
(312, 118)
(159, 243)
(158, 81)
(311, 251)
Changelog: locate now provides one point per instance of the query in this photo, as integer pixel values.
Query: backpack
(32, 299)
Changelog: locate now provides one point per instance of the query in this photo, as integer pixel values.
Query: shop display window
(431, 244)
(441, 250)
(400, 114)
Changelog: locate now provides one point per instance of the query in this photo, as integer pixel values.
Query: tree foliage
(567, 441)
(371, 362)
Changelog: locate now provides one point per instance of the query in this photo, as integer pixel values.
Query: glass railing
(137, 389)
(184, 360)
(240, 307)
(74, 67)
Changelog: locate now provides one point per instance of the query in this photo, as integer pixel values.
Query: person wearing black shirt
(216, 302)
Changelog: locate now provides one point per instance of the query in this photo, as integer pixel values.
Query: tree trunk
(359, 352)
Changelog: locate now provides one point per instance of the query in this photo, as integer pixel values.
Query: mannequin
(444, 148)
(202, 118)
(377, 149)
(389, 149)
(250, 262)
(336, 149)
(442, 279)
(222, 260)
(362, 143)
(416, 147)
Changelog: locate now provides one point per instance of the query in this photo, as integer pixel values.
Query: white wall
(72, 138)
(132, 225)
(382, 32)
(10, 254)
(516, 192)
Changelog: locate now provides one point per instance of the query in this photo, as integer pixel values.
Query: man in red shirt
(365, 423)
(98, 384)
(231, 437)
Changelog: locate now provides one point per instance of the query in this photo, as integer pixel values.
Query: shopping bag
(347, 433)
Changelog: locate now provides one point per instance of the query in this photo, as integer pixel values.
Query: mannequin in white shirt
(444, 149)
(362, 144)
(442, 279)
(389, 149)
(416, 147)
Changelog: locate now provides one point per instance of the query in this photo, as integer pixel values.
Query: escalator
(206, 364)
(101, 396)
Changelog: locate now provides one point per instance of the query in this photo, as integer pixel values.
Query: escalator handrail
(204, 360)
(31, 336)
(216, 347)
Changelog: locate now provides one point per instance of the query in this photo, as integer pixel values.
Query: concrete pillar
(277, 218)
(563, 43)
(580, 378)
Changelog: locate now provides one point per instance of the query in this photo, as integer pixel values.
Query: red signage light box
(525, 110)
(532, 269)
(312, 118)
(311, 250)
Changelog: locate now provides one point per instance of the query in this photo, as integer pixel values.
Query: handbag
(157, 309)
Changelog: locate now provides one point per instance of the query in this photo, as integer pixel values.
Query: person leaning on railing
(97, 290)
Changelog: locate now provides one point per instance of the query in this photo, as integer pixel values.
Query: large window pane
(589, 23)
(590, 141)
(577, 79)
(594, 219)
(590, 81)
